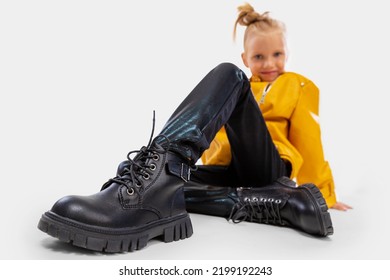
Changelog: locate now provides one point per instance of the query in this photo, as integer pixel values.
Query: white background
(79, 81)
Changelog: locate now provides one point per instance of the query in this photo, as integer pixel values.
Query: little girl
(289, 104)
(251, 156)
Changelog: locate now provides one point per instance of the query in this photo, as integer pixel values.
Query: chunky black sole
(322, 208)
(114, 240)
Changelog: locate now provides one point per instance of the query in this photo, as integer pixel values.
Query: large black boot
(145, 200)
(281, 203)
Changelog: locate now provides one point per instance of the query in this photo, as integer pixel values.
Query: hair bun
(247, 15)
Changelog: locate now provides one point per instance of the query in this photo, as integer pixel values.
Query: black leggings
(224, 98)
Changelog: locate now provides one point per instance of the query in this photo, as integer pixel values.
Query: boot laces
(257, 209)
(142, 166)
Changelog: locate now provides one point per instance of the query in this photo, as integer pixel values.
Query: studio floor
(360, 234)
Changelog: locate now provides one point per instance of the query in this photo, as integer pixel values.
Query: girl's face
(265, 55)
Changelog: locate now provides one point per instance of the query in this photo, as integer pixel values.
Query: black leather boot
(145, 200)
(280, 203)
(300, 207)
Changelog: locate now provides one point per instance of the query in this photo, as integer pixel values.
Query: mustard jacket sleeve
(305, 135)
(219, 151)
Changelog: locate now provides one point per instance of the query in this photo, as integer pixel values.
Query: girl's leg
(224, 97)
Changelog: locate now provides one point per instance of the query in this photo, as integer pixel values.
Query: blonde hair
(256, 22)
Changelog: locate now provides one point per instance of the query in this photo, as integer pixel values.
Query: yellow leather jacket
(290, 109)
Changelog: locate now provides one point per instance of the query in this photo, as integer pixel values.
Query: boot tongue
(130, 170)
(122, 166)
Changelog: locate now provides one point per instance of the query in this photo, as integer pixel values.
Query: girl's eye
(277, 54)
(258, 56)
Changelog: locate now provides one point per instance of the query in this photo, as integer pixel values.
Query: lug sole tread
(171, 230)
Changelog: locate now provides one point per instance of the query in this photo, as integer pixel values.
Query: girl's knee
(230, 69)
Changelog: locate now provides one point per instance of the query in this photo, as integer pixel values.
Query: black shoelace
(142, 166)
(260, 210)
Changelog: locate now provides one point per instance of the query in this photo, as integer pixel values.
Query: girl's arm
(305, 135)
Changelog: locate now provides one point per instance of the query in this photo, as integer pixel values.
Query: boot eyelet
(152, 167)
(278, 201)
(247, 199)
(255, 199)
(130, 192)
(156, 157)
(146, 176)
(262, 199)
(138, 184)
(271, 200)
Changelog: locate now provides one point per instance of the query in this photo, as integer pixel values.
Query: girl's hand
(341, 206)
